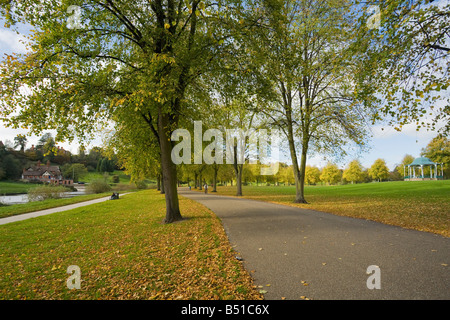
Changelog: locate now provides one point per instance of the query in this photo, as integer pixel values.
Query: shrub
(115, 178)
(124, 187)
(98, 186)
(141, 185)
(46, 192)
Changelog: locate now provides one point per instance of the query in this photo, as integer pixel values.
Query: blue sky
(387, 144)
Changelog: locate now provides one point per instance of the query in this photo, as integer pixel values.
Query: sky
(386, 143)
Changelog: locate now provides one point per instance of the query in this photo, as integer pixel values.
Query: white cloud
(11, 42)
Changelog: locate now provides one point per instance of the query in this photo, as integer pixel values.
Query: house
(45, 173)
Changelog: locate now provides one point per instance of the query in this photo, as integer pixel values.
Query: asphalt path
(294, 253)
(44, 212)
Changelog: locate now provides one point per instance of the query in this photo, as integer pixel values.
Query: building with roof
(45, 173)
(423, 168)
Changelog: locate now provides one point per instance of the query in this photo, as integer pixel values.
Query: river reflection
(23, 198)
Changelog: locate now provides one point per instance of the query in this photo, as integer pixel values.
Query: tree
(11, 167)
(119, 58)
(312, 175)
(305, 69)
(74, 171)
(379, 171)
(407, 60)
(407, 159)
(20, 140)
(330, 174)
(438, 150)
(354, 172)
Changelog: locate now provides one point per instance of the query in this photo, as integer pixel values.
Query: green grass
(420, 205)
(124, 252)
(7, 187)
(15, 209)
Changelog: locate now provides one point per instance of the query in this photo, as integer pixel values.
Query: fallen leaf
(262, 291)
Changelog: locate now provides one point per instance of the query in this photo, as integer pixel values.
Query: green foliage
(75, 171)
(406, 63)
(11, 167)
(407, 159)
(141, 184)
(20, 140)
(312, 175)
(98, 186)
(379, 171)
(46, 192)
(330, 174)
(438, 150)
(354, 172)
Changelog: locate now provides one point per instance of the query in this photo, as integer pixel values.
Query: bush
(46, 192)
(124, 187)
(98, 186)
(115, 178)
(141, 185)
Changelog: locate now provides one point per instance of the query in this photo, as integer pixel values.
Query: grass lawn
(9, 188)
(15, 209)
(420, 205)
(124, 252)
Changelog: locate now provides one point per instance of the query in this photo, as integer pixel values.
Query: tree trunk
(169, 170)
(162, 183)
(239, 180)
(216, 168)
(301, 193)
(238, 171)
(298, 174)
(158, 182)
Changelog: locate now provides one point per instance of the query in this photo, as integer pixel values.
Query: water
(23, 198)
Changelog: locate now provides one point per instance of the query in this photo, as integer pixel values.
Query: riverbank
(15, 209)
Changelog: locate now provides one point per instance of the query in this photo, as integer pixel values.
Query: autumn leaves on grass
(123, 252)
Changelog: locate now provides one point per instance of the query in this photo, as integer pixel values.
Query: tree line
(73, 166)
(437, 150)
(315, 70)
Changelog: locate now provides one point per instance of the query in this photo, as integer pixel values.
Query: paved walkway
(35, 214)
(295, 253)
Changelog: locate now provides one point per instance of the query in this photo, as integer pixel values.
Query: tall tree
(20, 140)
(354, 172)
(302, 51)
(115, 58)
(379, 171)
(407, 61)
(438, 150)
(407, 159)
(330, 174)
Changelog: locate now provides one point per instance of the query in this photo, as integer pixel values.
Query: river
(23, 197)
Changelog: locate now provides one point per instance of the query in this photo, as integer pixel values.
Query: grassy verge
(9, 188)
(15, 209)
(419, 205)
(124, 252)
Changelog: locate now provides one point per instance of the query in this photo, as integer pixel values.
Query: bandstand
(415, 170)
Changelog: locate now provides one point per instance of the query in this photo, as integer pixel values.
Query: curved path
(44, 212)
(295, 253)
